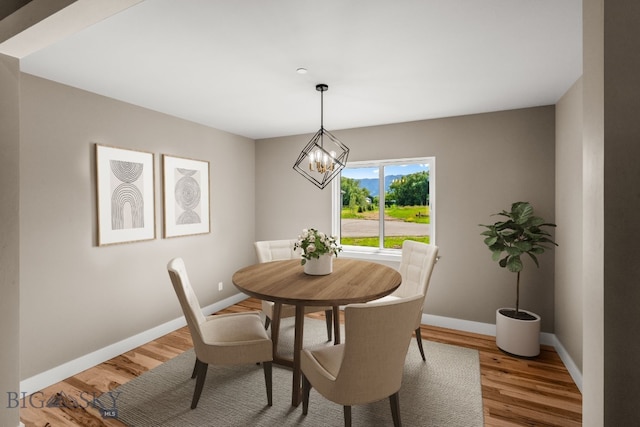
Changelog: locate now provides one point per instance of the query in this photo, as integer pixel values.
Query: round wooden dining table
(284, 282)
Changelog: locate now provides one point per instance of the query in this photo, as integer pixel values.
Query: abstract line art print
(186, 196)
(127, 203)
(125, 195)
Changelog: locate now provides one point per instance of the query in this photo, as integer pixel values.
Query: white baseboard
(568, 362)
(73, 367)
(459, 324)
(490, 329)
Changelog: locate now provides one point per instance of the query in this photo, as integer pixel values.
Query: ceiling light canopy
(324, 156)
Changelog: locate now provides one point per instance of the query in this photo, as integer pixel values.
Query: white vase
(519, 337)
(319, 266)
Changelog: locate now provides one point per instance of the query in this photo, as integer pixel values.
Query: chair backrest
(377, 337)
(188, 300)
(416, 267)
(276, 250)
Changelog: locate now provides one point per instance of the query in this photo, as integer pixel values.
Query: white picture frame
(185, 186)
(125, 195)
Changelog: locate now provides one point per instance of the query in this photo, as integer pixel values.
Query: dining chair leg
(195, 369)
(419, 340)
(328, 314)
(267, 322)
(266, 366)
(347, 416)
(306, 388)
(394, 400)
(201, 374)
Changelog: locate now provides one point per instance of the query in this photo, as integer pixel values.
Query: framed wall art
(186, 196)
(125, 195)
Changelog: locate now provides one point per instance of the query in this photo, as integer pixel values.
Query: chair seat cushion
(330, 358)
(233, 339)
(233, 328)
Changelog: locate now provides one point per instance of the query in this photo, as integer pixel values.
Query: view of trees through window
(382, 213)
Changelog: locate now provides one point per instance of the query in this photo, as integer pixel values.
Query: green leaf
(535, 221)
(503, 262)
(514, 251)
(546, 240)
(521, 211)
(524, 246)
(496, 255)
(514, 264)
(490, 241)
(498, 247)
(534, 258)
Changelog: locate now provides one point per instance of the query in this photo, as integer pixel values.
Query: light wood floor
(515, 392)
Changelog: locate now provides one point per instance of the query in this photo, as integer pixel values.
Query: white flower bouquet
(315, 243)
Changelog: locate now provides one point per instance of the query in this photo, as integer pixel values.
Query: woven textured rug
(443, 391)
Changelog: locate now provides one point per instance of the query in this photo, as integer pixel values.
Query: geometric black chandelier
(324, 156)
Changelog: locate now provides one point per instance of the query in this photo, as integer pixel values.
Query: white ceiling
(231, 64)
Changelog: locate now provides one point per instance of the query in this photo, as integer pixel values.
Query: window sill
(393, 255)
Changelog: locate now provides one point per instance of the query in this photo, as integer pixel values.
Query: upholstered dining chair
(369, 365)
(277, 250)
(223, 339)
(416, 266)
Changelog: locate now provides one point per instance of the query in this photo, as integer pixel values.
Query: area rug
(443, 391)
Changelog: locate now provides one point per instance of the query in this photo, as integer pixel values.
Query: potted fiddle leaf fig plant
(520, 233)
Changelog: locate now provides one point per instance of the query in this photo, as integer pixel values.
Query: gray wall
(611, 202)
(483, 163)
(621, 228)
(9, 232)
(568, 272)
(593, 214)
(76, 297)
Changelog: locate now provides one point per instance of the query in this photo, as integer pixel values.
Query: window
(371, 213)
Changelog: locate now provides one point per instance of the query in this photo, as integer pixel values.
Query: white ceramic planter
(519, 337)
(319, 266)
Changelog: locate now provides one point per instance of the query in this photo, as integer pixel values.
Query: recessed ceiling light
(301, 70)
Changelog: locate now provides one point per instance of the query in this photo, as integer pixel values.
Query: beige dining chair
(223, 339)
(369, 365)
(416, 266)
(278, 250)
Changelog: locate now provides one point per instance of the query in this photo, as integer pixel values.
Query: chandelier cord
(322, 118)
(322, 109)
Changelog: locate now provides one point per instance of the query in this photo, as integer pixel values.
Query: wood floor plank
(515, 391)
